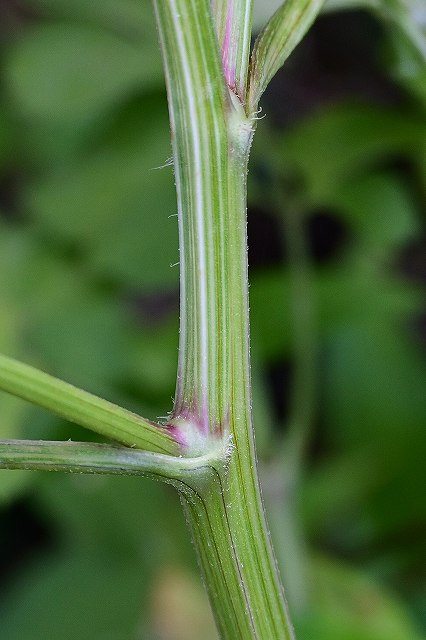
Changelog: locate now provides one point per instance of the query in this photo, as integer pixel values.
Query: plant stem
(197, 94)
(83, 408)
(233, 20)
(187, 474)
(275, 43)
(211, 136)
(234, 551)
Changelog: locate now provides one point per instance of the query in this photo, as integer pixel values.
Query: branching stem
(83, 408)
(211, 135)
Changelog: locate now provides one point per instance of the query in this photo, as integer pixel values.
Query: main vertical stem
(211, 137)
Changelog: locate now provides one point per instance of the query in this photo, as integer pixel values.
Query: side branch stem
(83, 408)
(90, 458)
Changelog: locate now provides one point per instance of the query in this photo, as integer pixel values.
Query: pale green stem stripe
(243, 505)
(275, 43)
(197, 93)
(83, 408)
(233, 20)
(211, 139)
(83, 457)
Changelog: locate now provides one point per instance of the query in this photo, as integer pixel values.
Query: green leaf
(344, 141)
(358, 294)
(394, 385)
(407, 16)
(90, 597)
(407, 48)
(73, 73)
(152, 360)
(368, 494)
(112, 203)
(276, 42)
(381, 211)
(133, 19)
(81, 508)
(112, 538)
(6, 138)
(351, 606)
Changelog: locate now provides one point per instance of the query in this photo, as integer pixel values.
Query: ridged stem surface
(211, 137)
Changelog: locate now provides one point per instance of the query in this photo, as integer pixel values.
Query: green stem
(83, 408)
(235, 551)
(275, 43)
(83, 457)
(211, 139)
(233, 20)
(197, 93)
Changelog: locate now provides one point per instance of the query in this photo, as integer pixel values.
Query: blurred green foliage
(88, 235)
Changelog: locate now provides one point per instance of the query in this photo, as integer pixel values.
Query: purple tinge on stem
(177, 434)
(191, 429)
(195, 414)
(191, 408)
(228, 61)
